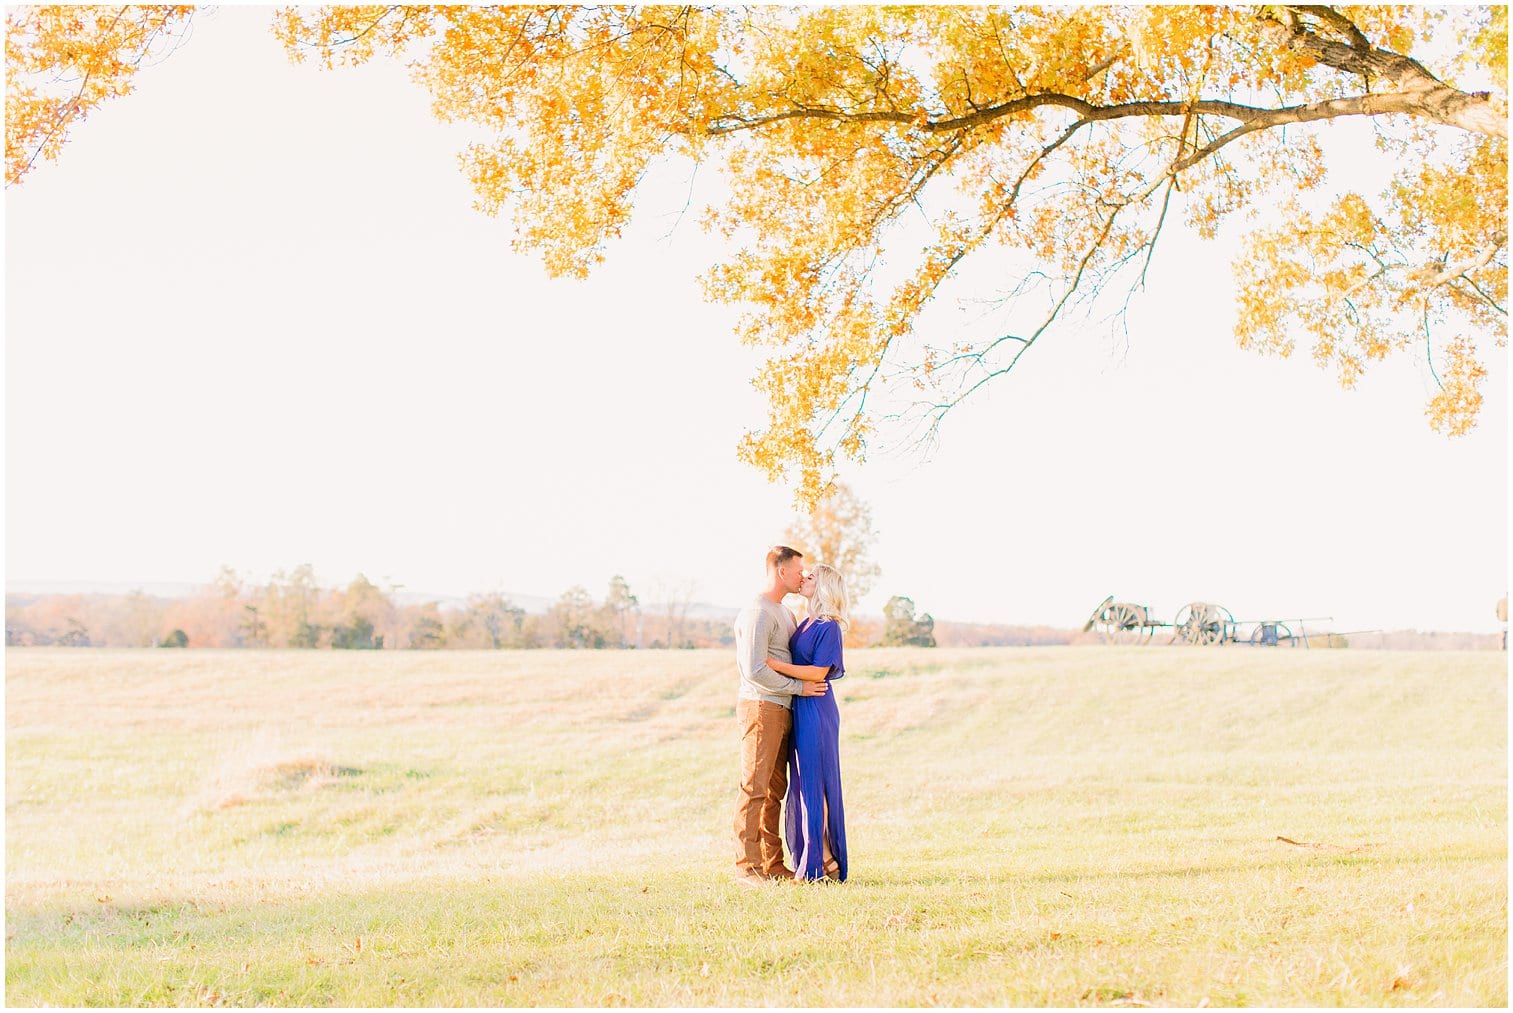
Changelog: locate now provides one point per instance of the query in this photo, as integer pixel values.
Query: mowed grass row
(1027, 826)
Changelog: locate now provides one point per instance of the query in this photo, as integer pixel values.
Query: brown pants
(765, 731)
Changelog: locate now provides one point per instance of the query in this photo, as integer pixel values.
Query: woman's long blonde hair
(830, 601)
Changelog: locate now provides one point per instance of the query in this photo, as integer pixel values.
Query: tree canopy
(837, 530)
(870, 152)
(902, 629)
(62, 62)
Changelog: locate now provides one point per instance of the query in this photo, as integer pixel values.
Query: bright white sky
(252, 319)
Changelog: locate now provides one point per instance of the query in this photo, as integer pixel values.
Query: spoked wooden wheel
(1125, 625)
(1204, 625)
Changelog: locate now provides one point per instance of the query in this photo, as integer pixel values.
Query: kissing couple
(790, 726)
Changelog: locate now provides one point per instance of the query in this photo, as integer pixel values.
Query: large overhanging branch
(1442, 104)
(1412, 91)
(733, 122)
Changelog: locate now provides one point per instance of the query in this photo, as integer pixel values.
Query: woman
(815, 820)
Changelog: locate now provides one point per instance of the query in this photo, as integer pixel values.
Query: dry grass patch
(1028, 827)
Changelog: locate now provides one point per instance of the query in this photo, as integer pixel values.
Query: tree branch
(1050, 318)
(1085, 110)
(1443, 105)
(1335, 19)
(1415, 90)
(1481, 258)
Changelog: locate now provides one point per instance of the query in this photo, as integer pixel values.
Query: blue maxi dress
(814, 759)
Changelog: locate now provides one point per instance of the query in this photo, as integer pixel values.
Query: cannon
(1270, 633)
(1199, 623)
(1279, 632)
(1204, 624)
(1207, 625)
(1122, 622)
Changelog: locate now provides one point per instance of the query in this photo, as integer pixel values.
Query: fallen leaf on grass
(1323, 847)
(1113, 997)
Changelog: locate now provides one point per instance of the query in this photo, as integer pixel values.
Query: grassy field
(1027, 827)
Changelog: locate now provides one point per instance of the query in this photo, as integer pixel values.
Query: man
(764, 709)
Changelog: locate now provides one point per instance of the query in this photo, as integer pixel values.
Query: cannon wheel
(1214, 626)
(1121, 624)
(1285, 636)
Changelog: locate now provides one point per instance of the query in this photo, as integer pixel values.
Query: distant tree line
(292, 610)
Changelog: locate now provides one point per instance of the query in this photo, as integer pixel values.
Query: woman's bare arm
(804, 673)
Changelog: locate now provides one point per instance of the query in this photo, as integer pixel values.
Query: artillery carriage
(1201, 624)
(1122, 622)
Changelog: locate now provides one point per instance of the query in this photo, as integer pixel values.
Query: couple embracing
(790, 726)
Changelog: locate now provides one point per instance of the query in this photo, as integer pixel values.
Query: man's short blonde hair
(780, 554)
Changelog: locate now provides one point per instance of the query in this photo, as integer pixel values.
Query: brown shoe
(749, 878)
(781, 872)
